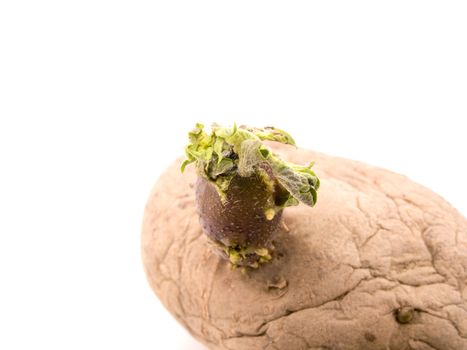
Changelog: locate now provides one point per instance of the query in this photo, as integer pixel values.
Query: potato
(380, 262)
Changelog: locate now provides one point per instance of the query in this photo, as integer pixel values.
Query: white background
(96, 98)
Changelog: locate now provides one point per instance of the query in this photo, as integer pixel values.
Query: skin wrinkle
(435, 215)
(187, 315)
(169, 246)
(431, 313)
(209, 293)
(434, 251)
(379, 229)
(414, 204)
(298, 336)
(380, 226)
(425, 344)
(292, 312)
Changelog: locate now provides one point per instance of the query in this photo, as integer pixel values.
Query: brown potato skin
(241, 219)
(374, 243)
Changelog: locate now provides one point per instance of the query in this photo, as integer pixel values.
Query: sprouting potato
(376, 262)
(243, 187)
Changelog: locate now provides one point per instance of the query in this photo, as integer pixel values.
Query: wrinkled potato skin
(375, 242)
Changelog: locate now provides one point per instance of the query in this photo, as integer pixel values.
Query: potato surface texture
(374, 243)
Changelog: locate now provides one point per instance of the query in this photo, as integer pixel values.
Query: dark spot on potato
(370, 337)
(404, 314)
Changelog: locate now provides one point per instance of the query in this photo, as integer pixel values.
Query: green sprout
(244, 187)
